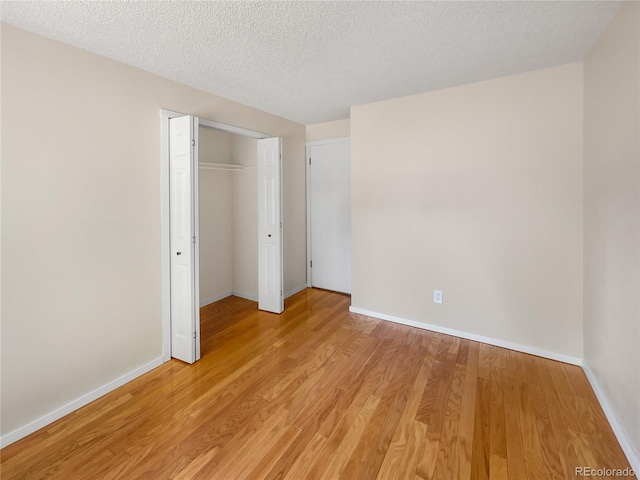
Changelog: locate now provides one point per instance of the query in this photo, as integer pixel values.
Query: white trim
(223, 127)
(307, 169)
(171, 113)
(74, 405)
(216, 298)
(560, 357)
(165, 232)
(247, 296)
(328, 140)
(196, 234)
(625, 443)
(293, 291)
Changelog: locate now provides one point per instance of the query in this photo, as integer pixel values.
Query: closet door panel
(182, 219)
(270, 248)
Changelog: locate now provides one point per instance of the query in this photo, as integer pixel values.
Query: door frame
(165, 231)
(307, 165)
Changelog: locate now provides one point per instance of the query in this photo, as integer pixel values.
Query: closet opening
(221, 224)
(228, 211)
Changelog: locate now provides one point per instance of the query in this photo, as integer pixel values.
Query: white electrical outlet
(437, 296)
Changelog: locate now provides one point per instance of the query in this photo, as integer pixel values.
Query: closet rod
(225, 166)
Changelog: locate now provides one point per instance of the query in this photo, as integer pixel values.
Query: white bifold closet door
(330, 215)
(183, 185)
(270, 252)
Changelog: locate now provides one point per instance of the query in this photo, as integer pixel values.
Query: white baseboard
(74, 405)
(472, 336)
(627, 447)
(246, 296)
(207, 301)
(293, 291)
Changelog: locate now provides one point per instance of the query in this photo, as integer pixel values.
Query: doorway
(329, 214)
(181, 163)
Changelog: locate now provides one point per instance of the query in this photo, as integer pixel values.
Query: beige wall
(245, 218)
(81, 271)
(612, 217)
(214, 146)
(216, 216)
(327, 130)
(477, 191)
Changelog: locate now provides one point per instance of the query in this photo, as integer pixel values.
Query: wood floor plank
(535, 464)
(545, 444)
(251, 445)
(480, 456)
(192, 469)
(318, 392)
(303, 464)
(462, 458)
(288, 437)
(498, 469)
(556, 396)
(445, 461)
(413, 452)
(497, 432)
(513, 432)
(355, 418)
(468, 404)
(282, 463)
(351, 439)
(432, 406)
(427, 463)
(369, 454)
(394, 453)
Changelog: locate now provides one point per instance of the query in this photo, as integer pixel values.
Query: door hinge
(280, 156)
(194, 334)
(280, 292)
(309, 161)
(193, 142)
(194, 240)
(311, 264)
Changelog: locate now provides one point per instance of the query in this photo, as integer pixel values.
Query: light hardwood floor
(319, 393)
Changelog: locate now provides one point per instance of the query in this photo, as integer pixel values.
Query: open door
(183, 182)
(270, 253)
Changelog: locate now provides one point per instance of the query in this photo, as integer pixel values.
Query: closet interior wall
(228, 203)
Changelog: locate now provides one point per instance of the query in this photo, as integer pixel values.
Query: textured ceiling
(311, 61)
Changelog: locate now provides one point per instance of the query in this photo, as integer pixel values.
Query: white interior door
(183, 171)
(270, 253)
(330, 215)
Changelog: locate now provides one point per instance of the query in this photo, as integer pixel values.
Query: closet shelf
(225, 166)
